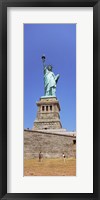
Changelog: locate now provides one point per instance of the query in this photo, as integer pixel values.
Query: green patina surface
(50, 80)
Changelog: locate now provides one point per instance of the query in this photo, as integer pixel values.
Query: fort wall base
(50, 144)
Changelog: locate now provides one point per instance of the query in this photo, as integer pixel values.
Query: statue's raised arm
(50, 80)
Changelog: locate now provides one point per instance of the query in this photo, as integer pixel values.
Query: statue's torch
(43, 60)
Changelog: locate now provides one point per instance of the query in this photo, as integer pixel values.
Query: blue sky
(58, 43)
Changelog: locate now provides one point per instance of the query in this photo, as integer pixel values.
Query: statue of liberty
(50, 80)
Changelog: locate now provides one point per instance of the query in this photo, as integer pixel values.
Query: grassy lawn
(50, 167)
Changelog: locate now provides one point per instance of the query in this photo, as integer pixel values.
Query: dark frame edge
(3, 100)
(3, 108)
(96, 75)
(0, 99)
(49, 3)
(98, 100)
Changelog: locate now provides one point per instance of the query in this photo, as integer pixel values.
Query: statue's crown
(49, 67)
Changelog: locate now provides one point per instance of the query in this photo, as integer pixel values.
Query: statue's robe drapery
(50, 81)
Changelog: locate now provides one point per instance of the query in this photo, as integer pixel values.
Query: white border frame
(83, 182)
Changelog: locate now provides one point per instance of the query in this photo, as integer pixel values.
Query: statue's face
(50, 68)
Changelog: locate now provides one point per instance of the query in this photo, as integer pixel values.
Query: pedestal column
(48, 114)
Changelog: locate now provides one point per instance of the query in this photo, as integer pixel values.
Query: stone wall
(51, 145)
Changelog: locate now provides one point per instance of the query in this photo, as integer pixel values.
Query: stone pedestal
(48, 114)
